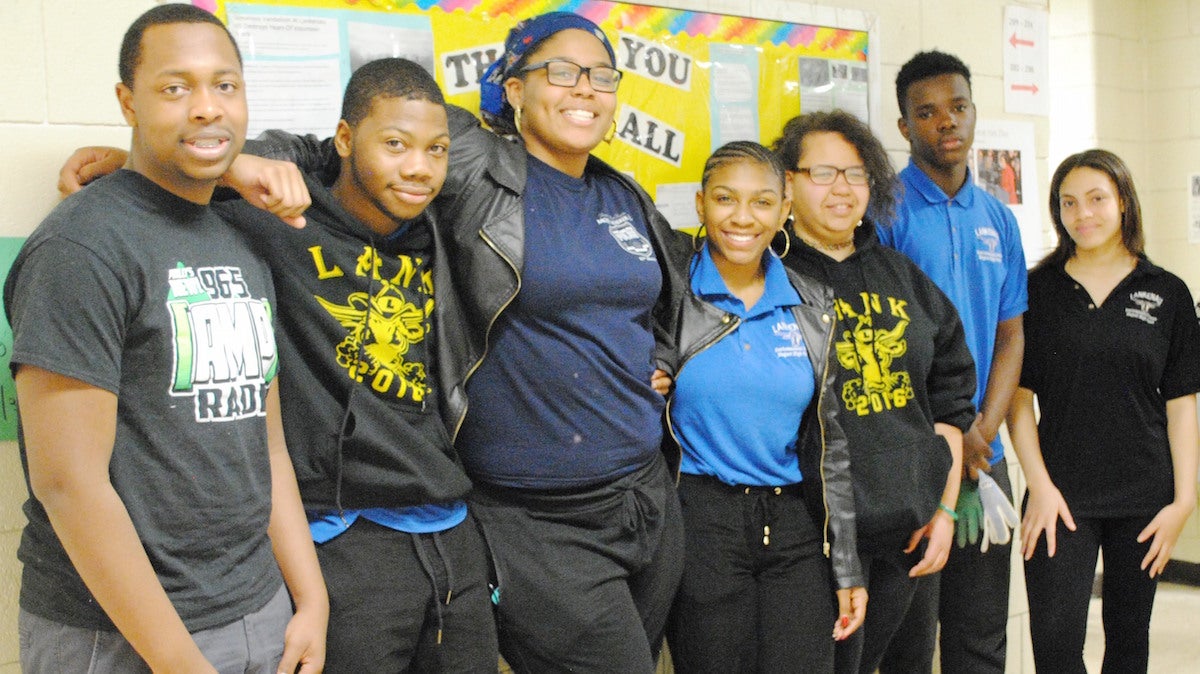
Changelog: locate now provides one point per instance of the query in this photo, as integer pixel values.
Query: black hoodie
(903, 364)
(357, 351)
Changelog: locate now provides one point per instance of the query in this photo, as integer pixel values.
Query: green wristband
(949, 511)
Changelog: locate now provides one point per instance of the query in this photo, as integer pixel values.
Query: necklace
(832, 247)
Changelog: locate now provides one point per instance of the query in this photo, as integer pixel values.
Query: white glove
(999, 516)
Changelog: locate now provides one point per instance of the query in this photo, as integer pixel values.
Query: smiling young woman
(904, 372)
(1111, 354)
(765, 473)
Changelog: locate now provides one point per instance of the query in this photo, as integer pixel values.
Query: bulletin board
(693, 80)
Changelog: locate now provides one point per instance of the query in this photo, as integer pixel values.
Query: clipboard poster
(693, 80)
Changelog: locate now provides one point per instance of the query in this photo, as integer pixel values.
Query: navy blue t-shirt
(563, 397)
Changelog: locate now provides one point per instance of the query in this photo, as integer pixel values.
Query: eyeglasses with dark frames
(563, 73)
(822, 174)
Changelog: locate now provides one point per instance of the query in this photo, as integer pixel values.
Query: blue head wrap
(525, 36)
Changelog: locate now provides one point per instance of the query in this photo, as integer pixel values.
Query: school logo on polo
(789, 332)
(1146, 302)
(620, 226)
(989, 240)
(224, 348)
(869, 347)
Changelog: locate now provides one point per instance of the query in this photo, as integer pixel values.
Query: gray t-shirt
(129, 288)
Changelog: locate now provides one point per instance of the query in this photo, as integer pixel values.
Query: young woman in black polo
(1112, 353)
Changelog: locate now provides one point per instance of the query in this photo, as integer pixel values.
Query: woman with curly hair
(904, 374)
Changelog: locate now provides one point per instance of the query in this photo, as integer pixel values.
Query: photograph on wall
(827, 84)
(1002, 164)
(998, 172)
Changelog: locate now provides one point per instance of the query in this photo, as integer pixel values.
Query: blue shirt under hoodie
(563, 398)
(738, 403)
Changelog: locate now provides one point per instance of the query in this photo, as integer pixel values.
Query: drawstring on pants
(427, 565)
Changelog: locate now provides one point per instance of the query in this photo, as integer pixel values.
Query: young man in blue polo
(969, 244)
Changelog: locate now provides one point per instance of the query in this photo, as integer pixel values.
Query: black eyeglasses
(562, 73)
(822, 174)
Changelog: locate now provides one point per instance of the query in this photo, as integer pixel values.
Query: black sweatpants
(401, 602)
(756, 593)
(585, 577)
(890, 593)
(969, 597)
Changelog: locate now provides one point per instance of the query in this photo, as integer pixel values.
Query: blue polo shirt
(971, 247)
(737, 404)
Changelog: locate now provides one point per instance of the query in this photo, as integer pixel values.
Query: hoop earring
(787, 244)
(612, 132)
(517, 119)
(697, 238)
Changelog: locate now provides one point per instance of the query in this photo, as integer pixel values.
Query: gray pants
(250, 645)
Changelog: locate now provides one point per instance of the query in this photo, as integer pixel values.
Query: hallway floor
(1173, 629)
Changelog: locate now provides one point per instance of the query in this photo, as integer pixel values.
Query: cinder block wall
(1122, 76)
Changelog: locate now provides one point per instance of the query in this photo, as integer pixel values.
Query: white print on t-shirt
(989, 238)
(789, 332)
(1146, 302)
(224, 348)
(620, 226)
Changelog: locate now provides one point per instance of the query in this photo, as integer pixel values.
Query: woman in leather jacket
(764, 478)
(905, 376)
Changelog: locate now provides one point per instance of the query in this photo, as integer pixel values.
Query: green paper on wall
(9, 247)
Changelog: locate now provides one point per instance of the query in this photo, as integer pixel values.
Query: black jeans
(970, 599)
(890, 594)
(1060, 589)
(586, 577)
(756, 593)
(385, 614)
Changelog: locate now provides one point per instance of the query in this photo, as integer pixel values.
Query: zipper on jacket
(733, 322)
(821, 421)
(487, 336)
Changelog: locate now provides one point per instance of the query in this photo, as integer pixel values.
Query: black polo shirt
(1102, 375)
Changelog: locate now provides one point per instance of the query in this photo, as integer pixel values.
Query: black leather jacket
(482, 216)
(822, 445)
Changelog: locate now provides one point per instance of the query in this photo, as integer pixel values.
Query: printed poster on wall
(693, 80)
(1003, 163)
(1026, 61)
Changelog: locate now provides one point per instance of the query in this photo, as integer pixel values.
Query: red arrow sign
(1031, 88)
(1015, 41)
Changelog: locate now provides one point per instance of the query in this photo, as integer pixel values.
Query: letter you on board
(654, 61)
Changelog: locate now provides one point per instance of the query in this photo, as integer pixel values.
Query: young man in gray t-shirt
(164, 512)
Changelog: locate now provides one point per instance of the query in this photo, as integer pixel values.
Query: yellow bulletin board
(692, 81)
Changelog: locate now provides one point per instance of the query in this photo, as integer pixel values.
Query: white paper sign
(1026, 61)
(1003, 163)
